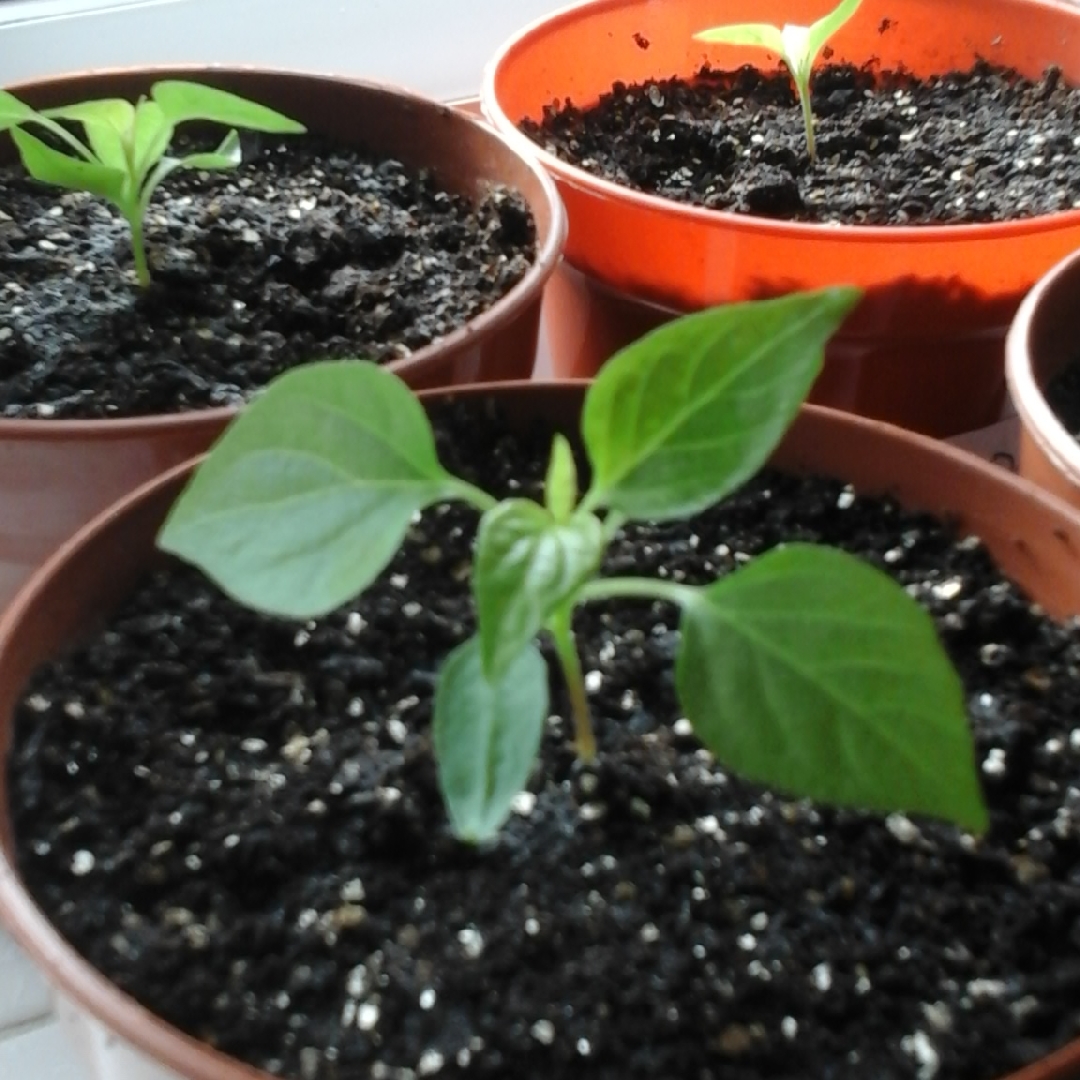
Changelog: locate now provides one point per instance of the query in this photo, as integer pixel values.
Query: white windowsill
(438, 47)
(24, 11)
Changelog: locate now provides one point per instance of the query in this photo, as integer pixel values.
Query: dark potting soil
(308, 251)
(1063, 396)
(236, 819)
(978, 146)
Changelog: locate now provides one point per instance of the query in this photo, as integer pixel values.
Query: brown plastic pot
(56, 474)
(925, 349)
(1042, 340)
(1034, 538)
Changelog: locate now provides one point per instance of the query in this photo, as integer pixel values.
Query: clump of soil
(308, 251)
(978, 146)
(237, 819)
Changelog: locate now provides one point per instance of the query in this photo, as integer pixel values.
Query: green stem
(462, 489)
(562, 633)
(808, 118)
(612, 524)
(159, 172)
(591, 501)
(138, 248)
(638, 588)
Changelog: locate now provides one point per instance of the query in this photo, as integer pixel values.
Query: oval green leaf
(107, 122)
(527, 564)
(561, 483)
(756, 35)
(183, 101)
(486, 734)
(153, 132)
(226, 156)
(51, 166)
(310, 491)
(813, 672)
(112, 112)
(683, 416)
(107, 143)
(13, 111)
(820, 32)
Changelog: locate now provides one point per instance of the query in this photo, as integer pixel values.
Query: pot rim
(796, 231)
(505, 310)
(193, 1059)
(1040, 421)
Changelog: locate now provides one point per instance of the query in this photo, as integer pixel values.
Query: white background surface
(435, 46)
(438, 47)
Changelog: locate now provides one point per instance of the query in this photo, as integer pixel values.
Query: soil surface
(308, 251)
(978, 146)
(1063, 396)
(237, 819)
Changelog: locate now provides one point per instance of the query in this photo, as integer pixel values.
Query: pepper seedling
(797, 46)
(807, 669)
(124, 157)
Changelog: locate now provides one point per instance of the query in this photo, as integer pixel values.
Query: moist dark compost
(979, 146)
(1063, 396)
(308, 251)
(236, 818)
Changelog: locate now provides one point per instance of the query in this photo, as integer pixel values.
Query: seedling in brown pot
(807, 669)
(797, 46)
(124, 157)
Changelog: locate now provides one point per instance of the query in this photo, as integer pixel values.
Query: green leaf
(758, 35)
(51, 166)
(108, 145)
(684, 415)
(226, 156)
(526, 565)
(310, 491)
(827, 25)
(183, 101)
(13, 111)
(813, 672)
(107, 122)
(113, 112)
(560, 485)
(486, 734)
(153, 132)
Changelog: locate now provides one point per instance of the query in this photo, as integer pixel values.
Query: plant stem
(562, 633)
(808, 118)
(469, 493)
(638, 588)
(138, 249)
(612, 524)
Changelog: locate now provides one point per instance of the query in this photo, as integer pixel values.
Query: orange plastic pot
(925, 349)
(57, 474)
(1042, 340)
(1034, 538)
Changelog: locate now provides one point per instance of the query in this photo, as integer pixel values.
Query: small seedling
(807, 669)
(124, 157)
(797, 46)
